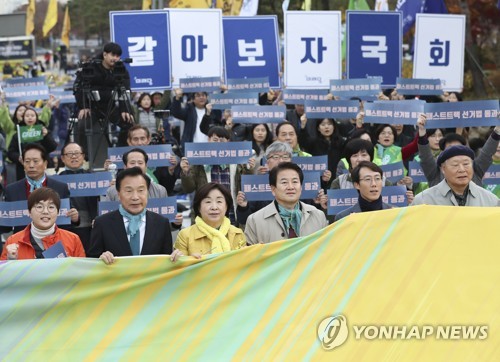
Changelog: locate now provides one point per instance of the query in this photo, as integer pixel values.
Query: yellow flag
(66, 28)
(30, 18)
(50, 18)
(146, 4)
(236, 7)
(190, 4)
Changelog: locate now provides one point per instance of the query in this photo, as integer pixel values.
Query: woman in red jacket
(42, 233)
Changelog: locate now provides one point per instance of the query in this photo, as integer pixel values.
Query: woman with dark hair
(30, 119)
(212, 231)
(327, 140)
(30, 243)
(261, 138)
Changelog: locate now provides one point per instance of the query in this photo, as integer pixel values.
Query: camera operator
(100, 90)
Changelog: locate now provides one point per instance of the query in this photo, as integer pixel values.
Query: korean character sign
(312, 49)
(144, 37)
(374, 45)
(15, 213)
(251, 48)
(202, 153)
(196, 43)
(440, 54)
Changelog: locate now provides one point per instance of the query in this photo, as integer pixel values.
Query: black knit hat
(454, 151)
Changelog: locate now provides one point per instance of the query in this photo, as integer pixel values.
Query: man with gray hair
(276, 153)
(457, 188)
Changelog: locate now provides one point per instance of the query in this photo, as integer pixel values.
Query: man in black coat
(98, 83)
(130, 230)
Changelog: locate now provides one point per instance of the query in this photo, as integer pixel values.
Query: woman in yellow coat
(212, 232)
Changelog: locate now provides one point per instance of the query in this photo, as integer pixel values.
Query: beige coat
(266, 226)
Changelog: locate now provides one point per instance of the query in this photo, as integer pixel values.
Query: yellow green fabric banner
(418, 283)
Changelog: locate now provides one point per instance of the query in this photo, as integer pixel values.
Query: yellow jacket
(192, 241)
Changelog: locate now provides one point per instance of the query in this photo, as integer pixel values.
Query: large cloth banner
(144, 37)
(196, 43)
(391, 284)
(251, 48)
(440, 54)
(312, 49)
(374, 45)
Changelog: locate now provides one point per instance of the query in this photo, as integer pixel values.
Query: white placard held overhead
(312, 49)
(440, 54)
(196, 43)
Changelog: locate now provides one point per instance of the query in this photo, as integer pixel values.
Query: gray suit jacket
(266, 226)
(441, 194)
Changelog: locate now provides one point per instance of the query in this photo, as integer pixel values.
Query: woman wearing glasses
(42, 233)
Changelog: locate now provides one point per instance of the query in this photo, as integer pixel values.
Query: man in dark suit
(130, 230)
(35, 164)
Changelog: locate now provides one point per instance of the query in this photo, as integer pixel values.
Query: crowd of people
(454, 162)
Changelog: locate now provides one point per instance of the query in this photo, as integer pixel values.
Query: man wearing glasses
(72, 156)
(35, 164)
(367, 178)
(276, 153)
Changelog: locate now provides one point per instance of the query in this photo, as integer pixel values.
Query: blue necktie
(135, 243)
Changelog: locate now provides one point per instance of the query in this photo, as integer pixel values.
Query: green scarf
(291, 217)
(134, 221)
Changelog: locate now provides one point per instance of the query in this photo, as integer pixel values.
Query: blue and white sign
(299, 96)
(251, 48)
(339, 200)
(415, 172)
(440, 54)
(86, 184)
(196, 43)
(492, 176)
(260, 85)
(227, 100)
(15, 213)
(462, 114)
(331, 109)
(394, 171)
(257, 188)
(25, 82)
(158, 155)
(314, 163)
(423, 87)
(144, 37)
(204, 84)
(218, 153)
(364, 88)
(258, 114)
(374, 45)
(312, 49)
(63, 96)
(28, 93)
(166, 207)
(394, 112)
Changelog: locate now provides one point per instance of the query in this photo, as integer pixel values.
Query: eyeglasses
(280, 157)
(50, 208)
(375, 179)
(73, 154)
